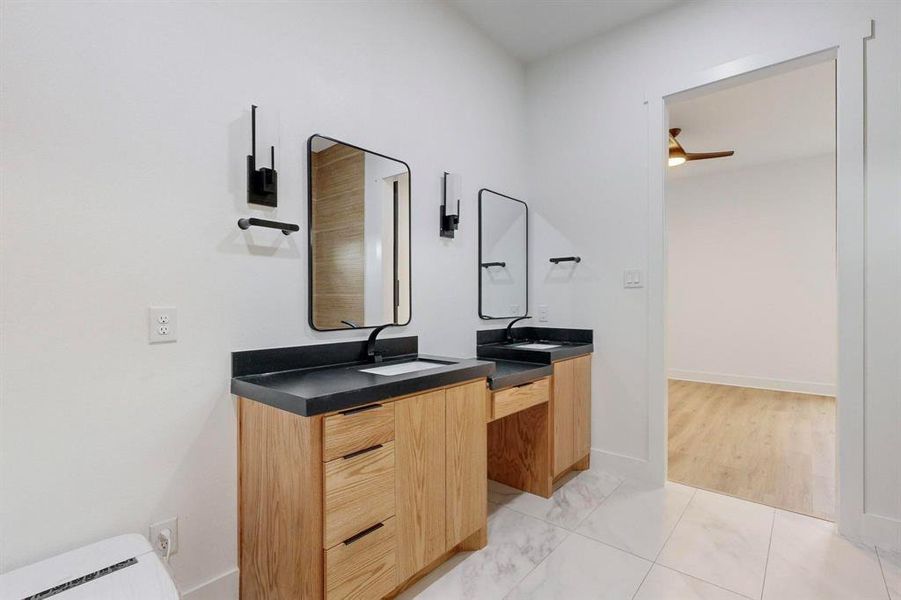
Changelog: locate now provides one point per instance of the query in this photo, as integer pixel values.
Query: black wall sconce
(450, 209)
(262, 184)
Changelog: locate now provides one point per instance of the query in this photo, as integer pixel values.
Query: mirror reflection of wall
(359, 237)
(503, 256)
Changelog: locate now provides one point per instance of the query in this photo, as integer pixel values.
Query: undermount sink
(406, 367)
(535, 346)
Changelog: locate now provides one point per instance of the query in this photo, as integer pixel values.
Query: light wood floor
(776, 448)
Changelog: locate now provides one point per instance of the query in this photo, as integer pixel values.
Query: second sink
(536, 346)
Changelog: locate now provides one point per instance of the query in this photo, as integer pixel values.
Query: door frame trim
(846, 46)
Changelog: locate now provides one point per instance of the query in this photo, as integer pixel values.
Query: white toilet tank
(119, 568)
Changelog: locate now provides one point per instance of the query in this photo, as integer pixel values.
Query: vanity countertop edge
(323, 378)
(511, 373)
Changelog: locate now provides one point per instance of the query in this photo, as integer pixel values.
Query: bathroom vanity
(365, 480)
(540, 405)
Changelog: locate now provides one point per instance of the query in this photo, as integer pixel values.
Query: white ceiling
(532, 29)
(786, 116)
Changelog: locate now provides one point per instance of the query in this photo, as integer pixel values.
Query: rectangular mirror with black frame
(503, 256)
(359, 237)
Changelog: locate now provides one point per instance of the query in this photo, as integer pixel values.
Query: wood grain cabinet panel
(359, 493)
(506, 402)
(363, 568)
(582, 405)
(564, 416)
(466, 461)
(419, 437)
(280, 503)
(519, 451)
(356, 429)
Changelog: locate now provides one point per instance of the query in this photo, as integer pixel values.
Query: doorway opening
(751, 304)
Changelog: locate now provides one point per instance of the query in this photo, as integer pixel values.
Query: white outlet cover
(162, 324)
(543, 313)
(172, 525)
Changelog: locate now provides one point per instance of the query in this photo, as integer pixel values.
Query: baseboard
(779, 385)
(884, 532)
(221, 587)
(623, 466)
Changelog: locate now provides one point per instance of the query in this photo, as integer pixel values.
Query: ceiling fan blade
(706, 155)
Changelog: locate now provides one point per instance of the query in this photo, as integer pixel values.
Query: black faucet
(371, 353)
(509, 332)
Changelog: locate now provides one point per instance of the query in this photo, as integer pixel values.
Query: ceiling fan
(678, 155)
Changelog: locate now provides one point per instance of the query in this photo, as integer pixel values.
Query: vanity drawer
(363, 567)
(356, 429)
(359, 492)
(506, 402)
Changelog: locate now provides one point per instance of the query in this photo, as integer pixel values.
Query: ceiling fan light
(676, 154)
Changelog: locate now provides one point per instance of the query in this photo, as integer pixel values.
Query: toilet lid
(119, 568)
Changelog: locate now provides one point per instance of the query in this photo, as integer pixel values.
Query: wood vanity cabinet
(571, 400)
(420, 428)
(442, 486)
(358, 503)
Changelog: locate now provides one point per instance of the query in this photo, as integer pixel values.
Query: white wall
(751, 276)
(125, 131)
(588, 135)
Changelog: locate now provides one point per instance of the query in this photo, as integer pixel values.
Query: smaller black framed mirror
(503, 256)
(359, 231)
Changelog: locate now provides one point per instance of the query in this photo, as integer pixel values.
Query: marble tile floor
(600, 537)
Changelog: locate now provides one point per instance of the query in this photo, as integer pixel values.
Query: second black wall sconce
(450, 209)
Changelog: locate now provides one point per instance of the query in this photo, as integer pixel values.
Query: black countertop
(508, 373)
(321, 378)
(296, 380)
(570, 343)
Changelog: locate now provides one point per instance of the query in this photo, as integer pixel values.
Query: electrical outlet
(543, 313)
(163, 324)
(164, 537)
(632, 279)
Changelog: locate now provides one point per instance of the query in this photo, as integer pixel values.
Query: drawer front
(356, 429)
(363, 567)
(359, 493)
(507, 402)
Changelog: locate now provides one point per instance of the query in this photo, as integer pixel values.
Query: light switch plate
(633, 278)
(162, 324)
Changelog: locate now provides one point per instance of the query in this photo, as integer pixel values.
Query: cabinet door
(582, 405)
(467, 461)
(419, 441)
(564, 416)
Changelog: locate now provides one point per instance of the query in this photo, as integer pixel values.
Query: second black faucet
(509, 332)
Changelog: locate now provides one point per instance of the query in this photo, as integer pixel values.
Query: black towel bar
(494, 264)
(560, 259)
(287, 228)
